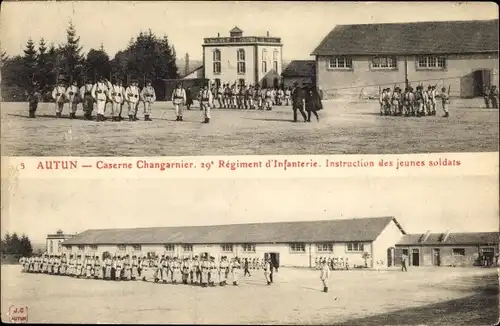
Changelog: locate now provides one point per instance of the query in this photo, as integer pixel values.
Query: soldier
(116, 95)
(396, 101)
(148, 96)
(250, 94)
(404, 260)
(205, 100)
(313, 102)
(432, 99)
(268, 271)
(97, 271)
(88, 100)
(78, 266)
(494, 96)
(178, 99)
(445, 100)
(241, 97)
(132, 97)
(298, 102)
(269, 99)
(119, 268)
(127, 268)
(73, 96)
(411, 102)
(33, 98)
(419, 100)
(234, 97)
(281, 95)
(58, 94)
(134, 268)
(235, 270)
(89, 266)
(99, 93)
(185, 268)
(486, 95)
(196, 271)
(325, 275)
(176, 271)
(212, 272)
(189, 98)
(205, 270)
(245, 268)
(288, 94)
(107, 267)
(223, 267)
(157, 275)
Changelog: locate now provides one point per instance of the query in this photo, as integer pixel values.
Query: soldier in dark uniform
(313, 102)
(486, 95)
(494, 97)
(245, 266)
(34, 97)
(298, 102)
(189, 98)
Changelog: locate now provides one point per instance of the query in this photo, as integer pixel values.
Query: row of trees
(145, 57)
(15, 245)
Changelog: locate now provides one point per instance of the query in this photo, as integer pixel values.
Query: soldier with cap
(212, 274)
(494, 96)
(116, 96)
(325, 275)
(88, 100)
(235, 270)
(34, 98)
(176, 271)
(195, 270)
(313, 102)
(223, 266)
(486, 95)
(268, 270)
(205, 270)
(179, 99)
(134, 271)
(98, 268)
(127, 268)
(298, 102)
(132, 97)
(99, 93)
(73, 96)
(58, 94)
(148, 97)
(206, 98)
(185, 268)
(445, 100)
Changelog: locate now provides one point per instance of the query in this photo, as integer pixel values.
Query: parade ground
(345, 127)
(431, 296)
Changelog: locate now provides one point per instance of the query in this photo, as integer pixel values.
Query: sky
(34, 207)
(301, 25)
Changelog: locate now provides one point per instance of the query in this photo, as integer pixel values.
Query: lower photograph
(356, 251)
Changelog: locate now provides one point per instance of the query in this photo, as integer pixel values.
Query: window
(264, 55)
(264, 66)
(458, 252)
(355, 246)
(431, 62)
(241, 82)
(81, 247)
(249, 248)
(384, 63)
(297, 247)
(217, 82)
(275, 66)
(169, 247)
(340, 63)
(136, 247)
(122, 247)
(241, 67)
(51, 247)
(93, 247)
(240, 56)
(69, 248)
(187, 248)
(217, 62)
(325, 247)
(59, 244)
(275, 55)
(227, 247)
(487, 250)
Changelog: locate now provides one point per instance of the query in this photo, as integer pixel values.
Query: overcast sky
(300, 25)
(34, 207)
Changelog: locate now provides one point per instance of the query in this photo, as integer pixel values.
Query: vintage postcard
(249, 162)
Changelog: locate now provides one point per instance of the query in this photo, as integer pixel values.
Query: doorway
(481, 80)
(436, 257)
(415, 257)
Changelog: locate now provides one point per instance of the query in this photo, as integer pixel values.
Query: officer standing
(33, 98)
(148, 96)
(313, 102)
(58, 94)
(246, 268)
(206, 98)
(88, 100)
(179, 99)
(298, 102)
(325, 275)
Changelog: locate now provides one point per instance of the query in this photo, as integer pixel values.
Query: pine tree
(30, 64)
(72, 57)
(43, 69)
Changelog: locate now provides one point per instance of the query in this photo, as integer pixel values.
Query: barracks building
(357, 60)
(376, 242)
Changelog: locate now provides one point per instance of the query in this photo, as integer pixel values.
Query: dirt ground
(432, 296)
(344, 128)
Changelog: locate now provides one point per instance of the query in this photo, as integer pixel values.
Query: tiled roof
(300, 68)
(236, 29)
(446, 37)
(340, 230)
(472, 238)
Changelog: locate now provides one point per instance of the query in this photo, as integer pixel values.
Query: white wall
(229, 61)
(387, 239)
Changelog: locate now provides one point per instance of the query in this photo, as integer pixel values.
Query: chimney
(267, 33)
(218, 34)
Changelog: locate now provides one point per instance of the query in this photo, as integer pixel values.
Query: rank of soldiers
(203, 271)
(334, 263)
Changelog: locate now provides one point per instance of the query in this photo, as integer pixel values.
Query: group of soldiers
(335, 263)
(417, 102)
(490, 95)
(203, 271)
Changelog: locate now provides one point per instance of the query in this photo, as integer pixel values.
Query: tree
(72, 58)
(43, 65)
(30, 64)
(97, 64)
(13, 245)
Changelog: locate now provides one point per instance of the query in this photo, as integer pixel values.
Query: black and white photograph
(357, 251)
(171, 78)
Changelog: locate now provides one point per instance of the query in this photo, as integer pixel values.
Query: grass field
(431, 296)
(344, 128)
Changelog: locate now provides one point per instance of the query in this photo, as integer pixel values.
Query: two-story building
(249, 60)
(53, 245)
(361, 59)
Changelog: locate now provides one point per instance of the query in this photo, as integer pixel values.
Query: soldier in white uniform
(99, 93)
(267, 267)
(58, 94)
(116, 96)
(73, 96)
(148, 96)
(205, 99)
(179, 99)
(132, 97)
(88, 100)
(235, 270)
(325, 275)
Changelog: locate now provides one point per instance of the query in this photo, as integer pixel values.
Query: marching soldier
(58, 94)
(313, 102)
(220, 96)
(234, 96)
(132, 97)
(179, 99)
(246, 268)
(117, 96)
(148, 96)
(241, 97)
(486, 95)
(325, 275)
(34, 98)
(88, 100)
(396, 101)
(189, 98)
(205, 99)
(298, 102)
(419, 100)
(99, 93)
(432, 99)
(73, 96)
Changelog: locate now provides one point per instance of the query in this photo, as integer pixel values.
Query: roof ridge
(422, 22)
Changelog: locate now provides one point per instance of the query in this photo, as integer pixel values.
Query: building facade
(461, 56)
(362, 241)
(449, 249)
(248, 60)
(53, 243)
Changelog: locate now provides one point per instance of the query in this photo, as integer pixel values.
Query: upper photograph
(245, 78)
